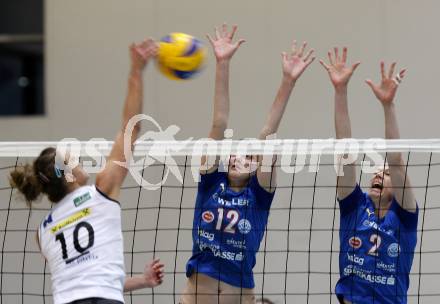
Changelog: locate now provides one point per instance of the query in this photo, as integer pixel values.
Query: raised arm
(224, 48)
(111, 178)
(340, 75)
(385, 92)
(293, 64)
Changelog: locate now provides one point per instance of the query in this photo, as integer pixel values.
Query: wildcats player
(378, 230)
(232, 208)
(81, 238)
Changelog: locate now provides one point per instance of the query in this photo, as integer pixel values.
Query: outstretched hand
(386, 90)
(153, 273)
(141, 53)
(337, 68)
(295, 63)
(222, 44)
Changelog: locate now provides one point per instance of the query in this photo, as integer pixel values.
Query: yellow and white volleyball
(181, 56)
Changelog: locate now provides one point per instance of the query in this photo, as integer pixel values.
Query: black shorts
(95, 301)
(341, 299)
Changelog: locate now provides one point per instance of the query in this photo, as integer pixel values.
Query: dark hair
(39, 178)
(264, 301)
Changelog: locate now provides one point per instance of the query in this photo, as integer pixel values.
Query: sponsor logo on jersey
(391, 281)
(393, 250)
(355, 242)
(206, 235)
(235, 201)
(355, 259)
(244, 226)
(71, 219)
(226, 255)
(48, 220)
(81, 199)
(366, 276)
(239, 256)
(84, 258)
(236, 244)
(370, 213)
(386, 267)
(207, 217)
(371, 224)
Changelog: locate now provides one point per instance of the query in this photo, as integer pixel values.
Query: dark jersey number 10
(91, 233)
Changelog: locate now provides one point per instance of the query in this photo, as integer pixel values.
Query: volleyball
(181, 56)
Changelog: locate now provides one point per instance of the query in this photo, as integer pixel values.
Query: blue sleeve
(352, 201)
(408, 219)
(264, 197)
(208, 180)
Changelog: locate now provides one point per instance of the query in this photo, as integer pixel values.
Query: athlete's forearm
(278, 108)
(134, 100)
(392, 131)
(347, 181)
(221, 100)
(266, 173)
(403, 191)
(342, 117)
(135, 283)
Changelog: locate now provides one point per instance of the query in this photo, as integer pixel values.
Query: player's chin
(237, 174)
(375, 192)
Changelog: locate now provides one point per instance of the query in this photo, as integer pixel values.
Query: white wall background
(87, 65)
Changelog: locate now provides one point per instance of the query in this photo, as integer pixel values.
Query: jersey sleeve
(352, 201)
(207, 180)
(264, 198)
(106, 196)
(408, 219)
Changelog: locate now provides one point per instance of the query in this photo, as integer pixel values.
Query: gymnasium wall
(87, 66)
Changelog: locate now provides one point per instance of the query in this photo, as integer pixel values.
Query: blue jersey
(228, 227)
(375, 254)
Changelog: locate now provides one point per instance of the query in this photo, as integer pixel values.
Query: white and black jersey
(81, 239)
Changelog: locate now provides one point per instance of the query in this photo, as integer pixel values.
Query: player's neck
(236, 185)
(72, 187)
(381, 208)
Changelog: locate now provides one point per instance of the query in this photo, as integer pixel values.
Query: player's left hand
(153, 273)
(295, 63)
(386, 90)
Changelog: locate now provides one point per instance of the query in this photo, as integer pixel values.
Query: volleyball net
(298, 257)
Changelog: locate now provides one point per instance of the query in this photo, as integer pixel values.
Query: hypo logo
(208, 216)
(355, 242)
